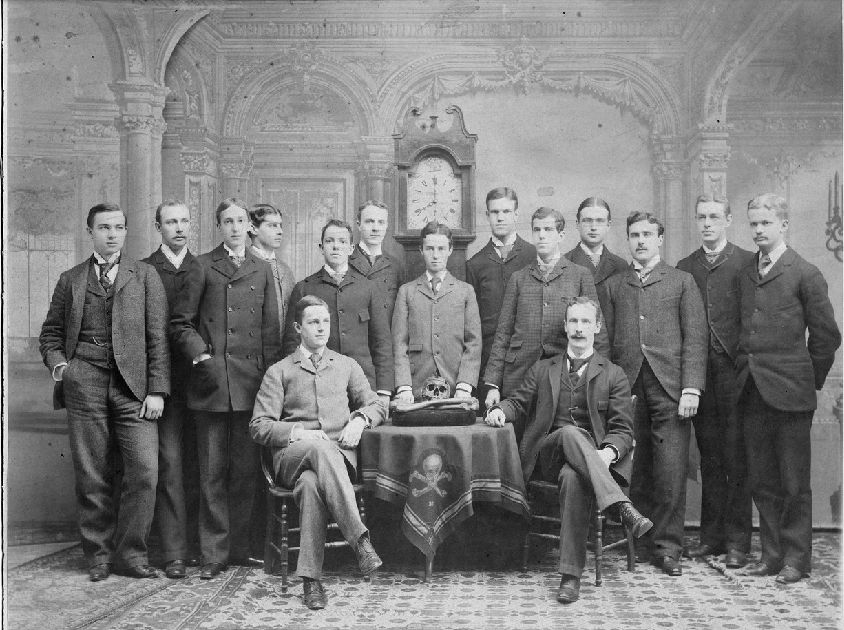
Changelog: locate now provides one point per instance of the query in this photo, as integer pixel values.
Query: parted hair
(167, 203)
(106, 206)
(582, 299)
(225, 204)
(503, 192)
(304, 302)
(716, 198)
(366, 204)
(770, 201)
(335, 223)
(433, 227)
(260, 211)
(594, 202)
(544, 212)
(650, 217)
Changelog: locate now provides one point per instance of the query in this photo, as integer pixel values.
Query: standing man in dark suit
(436, 327)
(779, 369)
(311, 410)
(532, 321)
(593, 223)
(582, 435)
(725, 512)
(177, 463)
(657, 328)
(227, 326)
(490, 268)
(105, 342)
(266, 230)
(369, 259)
(359, 326)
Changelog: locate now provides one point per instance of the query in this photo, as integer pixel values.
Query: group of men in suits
(553, 343)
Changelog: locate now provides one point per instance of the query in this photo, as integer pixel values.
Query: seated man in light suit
(436, 325)
(581, 433)
(303, 412)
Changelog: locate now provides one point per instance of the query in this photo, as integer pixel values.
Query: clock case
(421, 138)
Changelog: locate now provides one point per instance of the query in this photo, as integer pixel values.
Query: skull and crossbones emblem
(435, 388)
(432, 466)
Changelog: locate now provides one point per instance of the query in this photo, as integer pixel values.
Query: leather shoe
(194, 561)
(246, 562)
(735, 559)
(643, 555)
(789, 575)
(315, 597)
(175, 569)
(669, 566)
(140, 571)
(99, 572)
(211, 570)
(704, 549)
(569, 590)
(368, 560)
(633, 520)
(757, 569)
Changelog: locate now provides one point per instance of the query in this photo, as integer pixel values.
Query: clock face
(434, 193)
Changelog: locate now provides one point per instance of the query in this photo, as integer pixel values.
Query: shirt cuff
(57, 366)
(294, 432)
(614, 450)
(491, 385)
(691, 390)
(383, 392)
(465, 387)
(404, 388)
(367, 423)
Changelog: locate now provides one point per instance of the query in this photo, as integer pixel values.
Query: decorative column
(709, 154)
(141, 126)
(669, 172)
(199, 179)
(235, 168)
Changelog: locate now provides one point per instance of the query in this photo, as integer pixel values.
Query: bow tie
(237, 261)
(576, 364)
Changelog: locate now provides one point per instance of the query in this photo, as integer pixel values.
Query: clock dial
(434, 193)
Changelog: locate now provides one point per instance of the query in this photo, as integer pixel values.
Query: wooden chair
(544, 493)
(277, 547)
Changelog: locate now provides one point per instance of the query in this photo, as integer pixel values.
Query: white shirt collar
(112, 259)
(497, 242)
(366, 250)
(262, 253)
(775, 253)
(589, 252)
(585, 356)
(441, 275)
(175, 259)
(231, 252)
(653, 262)
(552, 263)
(717, 250)
(307, 353)
(332, 272)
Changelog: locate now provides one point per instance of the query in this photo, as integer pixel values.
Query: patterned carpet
(53, 592)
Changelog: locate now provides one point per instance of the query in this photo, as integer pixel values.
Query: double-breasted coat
(387, 274)
(609, 265)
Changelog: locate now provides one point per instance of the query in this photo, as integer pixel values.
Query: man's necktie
(576, 364)
(764, 265)
(711, 257)
(435, 284)
(644, 274)
(105, 267)
(504, 251)
(237, 261)
(545, 270)
(372, 259)
(338, 277)
(315, 360)
(596, 260)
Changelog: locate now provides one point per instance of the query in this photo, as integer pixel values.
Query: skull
(431, 466)
(435, 387)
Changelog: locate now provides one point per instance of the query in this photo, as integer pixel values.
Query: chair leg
(284, 546)
(599, 545)
(526, 548)
(361, 508)
(269, 554)
(631, 550)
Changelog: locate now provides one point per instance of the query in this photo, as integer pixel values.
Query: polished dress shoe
(569, 590)
(211, 570)
(704, 549)
(175, 569)
(315, 597)
(139, 571)
(735, 559)
(789, 575)
(643, 555)
(99, 572)
(194, 561)
(757, 569)
(637, 524)
(246, 562)
(669, 566)
(368, 560)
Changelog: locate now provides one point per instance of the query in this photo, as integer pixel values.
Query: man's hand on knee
(607, 455)
(350, 436)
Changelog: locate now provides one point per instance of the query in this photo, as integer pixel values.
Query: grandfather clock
(436, 182)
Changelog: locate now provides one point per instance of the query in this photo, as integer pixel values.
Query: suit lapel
(423, 287)
(78, 284)
(555, 373)
(602, 272)
(125, 272)
(593, 370)
(221, 261)
(447, 285)
(777, 268)
(360, 261)
(632, 277)
(657, 273)
(558, 269)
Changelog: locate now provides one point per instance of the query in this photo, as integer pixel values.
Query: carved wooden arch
(657, 102)
(171, 37)
(253, 91)
(716, 94)
(185, 62)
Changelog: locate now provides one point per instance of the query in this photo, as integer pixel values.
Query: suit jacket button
(251, 288)
(231, 331)
(251, 334)
(228, 355)
(230, 286)
(252, 310)
(230, 309)
(641, 317)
